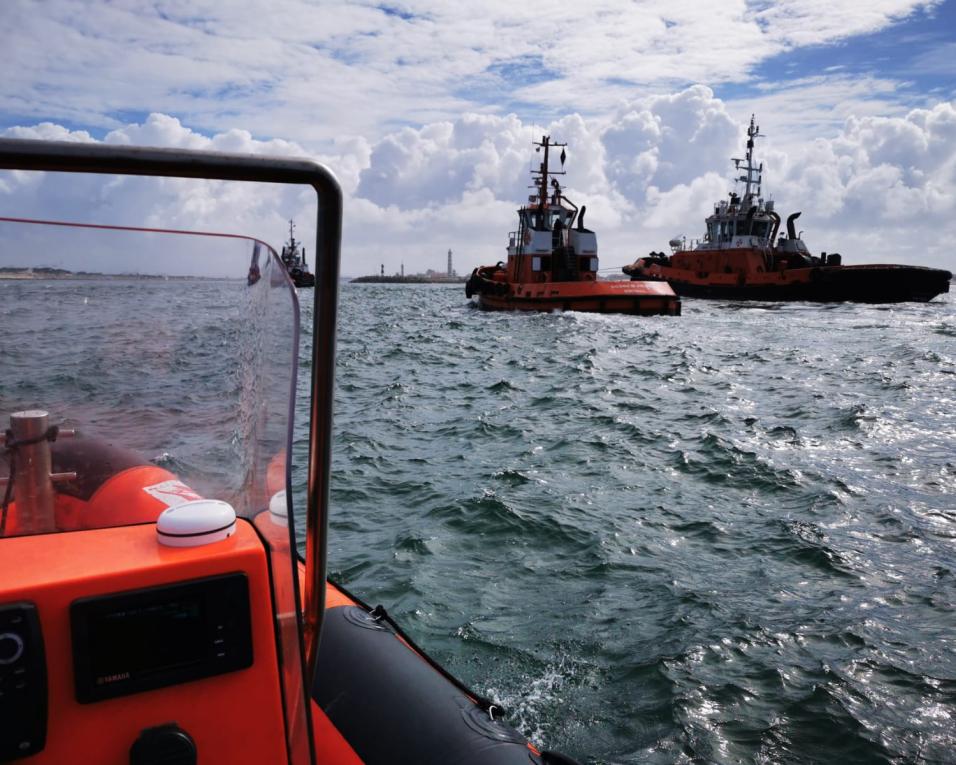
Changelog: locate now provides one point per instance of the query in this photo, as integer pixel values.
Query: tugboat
(739, 259)
(553, 264)
(295, 263)
(152, 618)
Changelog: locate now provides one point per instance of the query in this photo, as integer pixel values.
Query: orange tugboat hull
(636, 297)
(862, 284)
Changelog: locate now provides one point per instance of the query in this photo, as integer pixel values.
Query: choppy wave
(720, 538)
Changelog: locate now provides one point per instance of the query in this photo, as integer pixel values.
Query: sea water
(725, 537)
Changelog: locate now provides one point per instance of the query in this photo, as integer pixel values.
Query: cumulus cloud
(188, 204)
(885, 171)
(48, 131)
(880, 189)
(668, 140)
(437, 163)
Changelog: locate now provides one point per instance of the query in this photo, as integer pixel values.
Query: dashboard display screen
(141, 640)
(147, 639)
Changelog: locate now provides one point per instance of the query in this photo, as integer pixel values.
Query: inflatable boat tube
(370, 675)
(114, 487)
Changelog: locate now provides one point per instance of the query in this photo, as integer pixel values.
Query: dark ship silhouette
(295, 263)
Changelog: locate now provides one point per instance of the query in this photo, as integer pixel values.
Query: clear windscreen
(171, 354)
(149, 344)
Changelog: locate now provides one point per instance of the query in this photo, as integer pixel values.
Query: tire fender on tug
(472, 285)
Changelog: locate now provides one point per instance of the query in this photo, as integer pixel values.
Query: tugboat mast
(753, 175)
(544, 171)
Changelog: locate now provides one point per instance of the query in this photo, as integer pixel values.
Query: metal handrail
(62, 156)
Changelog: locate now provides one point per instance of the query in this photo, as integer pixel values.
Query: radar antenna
(753, 176)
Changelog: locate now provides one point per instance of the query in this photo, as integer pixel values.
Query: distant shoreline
(411, 279)
(8, 273)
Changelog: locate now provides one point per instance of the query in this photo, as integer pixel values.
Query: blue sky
(919, 52)
(428, 107)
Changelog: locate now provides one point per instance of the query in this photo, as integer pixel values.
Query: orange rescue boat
(151, 616)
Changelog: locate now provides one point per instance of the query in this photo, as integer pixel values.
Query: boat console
(110, 636)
